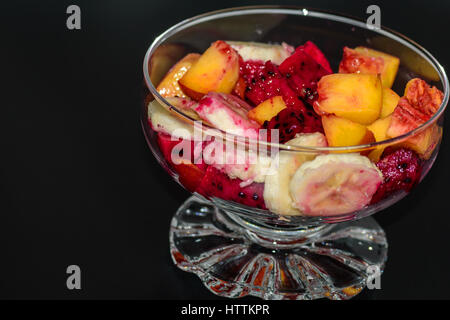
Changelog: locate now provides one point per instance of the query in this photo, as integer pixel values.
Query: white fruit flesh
(334, 184)
(163, 121)
(276, 185)
(237, 162)
(262, 51)
(228, 113)
(185, 105)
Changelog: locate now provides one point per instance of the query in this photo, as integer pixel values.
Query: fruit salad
(264, 119)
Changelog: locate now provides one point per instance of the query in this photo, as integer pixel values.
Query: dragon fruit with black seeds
(251, 69)
(401, 170)
(215, 183)
(303, 73)
(314, 52)
(268, 82)
(291, 121)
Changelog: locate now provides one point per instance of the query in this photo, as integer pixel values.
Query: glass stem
(272, 236)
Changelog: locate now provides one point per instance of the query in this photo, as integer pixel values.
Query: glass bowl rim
(301, 11)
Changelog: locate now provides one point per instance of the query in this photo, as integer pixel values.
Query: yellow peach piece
(356, 97)
(217, 70)
(417, 106)
(425, 142)
(369, 61)
(423, 97)
(390, 101)
(351, 291)
(390, 66)
(267, 109)
(342, 132)
(169, 86)
(164, 57)
(379, 129)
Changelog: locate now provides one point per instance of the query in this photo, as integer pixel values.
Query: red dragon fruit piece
(166, 145)
(248, 70)
(291, 121)
(267, 83)
(217, 184)
(251, 69)
(401, 170)
(314, 52)
(190, 175)
(303, 74)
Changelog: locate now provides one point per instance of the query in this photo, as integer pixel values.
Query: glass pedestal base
(234, 257)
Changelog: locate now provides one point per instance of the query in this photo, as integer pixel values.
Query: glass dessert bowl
(287, 143)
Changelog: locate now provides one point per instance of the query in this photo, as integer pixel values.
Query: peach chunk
(164, 57)
(379, 129)
(267, 109)
(417, 106)
(239, 88)
(423, 97)
(169, 86)
(217, 70)
(342, 132)
(356, 97)
(425, 142)
(390, 101)
(365, 60)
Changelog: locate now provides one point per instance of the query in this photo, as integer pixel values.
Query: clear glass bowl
(239, 250)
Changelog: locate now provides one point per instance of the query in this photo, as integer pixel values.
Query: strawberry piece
(303, 73)
(314, 52)
(401, 170)
(291, 121)
(217, 184)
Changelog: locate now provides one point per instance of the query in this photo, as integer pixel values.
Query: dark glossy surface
(79, 185)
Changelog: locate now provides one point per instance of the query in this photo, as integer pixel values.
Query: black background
(79, 185)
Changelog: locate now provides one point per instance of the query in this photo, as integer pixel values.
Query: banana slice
(237, 162)
(228, 113)
(334, 184)
(185, 105)
(276, 185)
(170, 123)
(262, 51)
(163, 121)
